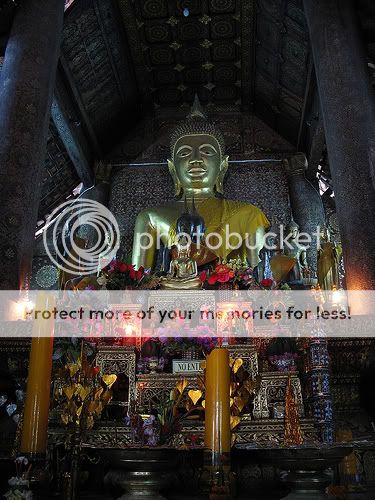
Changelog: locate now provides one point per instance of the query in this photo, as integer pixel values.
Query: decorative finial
(197, 122)
(197, 110)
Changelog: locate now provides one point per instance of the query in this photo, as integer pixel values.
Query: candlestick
(217, 406)
(35, 419)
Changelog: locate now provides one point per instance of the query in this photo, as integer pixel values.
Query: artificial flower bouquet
(235, 272)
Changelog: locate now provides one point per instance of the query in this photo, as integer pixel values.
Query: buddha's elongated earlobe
(177, 183)
(220, 177)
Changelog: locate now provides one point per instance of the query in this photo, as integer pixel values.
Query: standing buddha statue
(291, 265)
(198, 165)
(328, 262)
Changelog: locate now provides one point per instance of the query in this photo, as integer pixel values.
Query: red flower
(132, 273)
(123, 267)
(95, 370)
(266, 283)
(212, 279)
(223, 273)
(138, 275)
(203, 276)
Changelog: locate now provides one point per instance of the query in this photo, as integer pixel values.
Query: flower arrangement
(81, 391)
(20, 484)
(282, 354)
(176, 339)
(118, 276)
(165, 419)
(235, 271)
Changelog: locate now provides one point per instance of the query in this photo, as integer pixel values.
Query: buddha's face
(294, 232)
(324, 234)
(197, 161)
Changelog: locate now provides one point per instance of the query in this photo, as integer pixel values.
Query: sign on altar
(187, 365)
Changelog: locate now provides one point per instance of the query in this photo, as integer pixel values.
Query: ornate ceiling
(253, 55)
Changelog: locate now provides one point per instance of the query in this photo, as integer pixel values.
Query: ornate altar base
(249, 433)
(159, 472)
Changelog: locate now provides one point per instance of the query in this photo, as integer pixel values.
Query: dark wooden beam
(67, 74)
(306, 101)
(68, 125)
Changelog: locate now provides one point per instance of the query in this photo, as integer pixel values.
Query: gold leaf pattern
(195, 395)
(109, 380)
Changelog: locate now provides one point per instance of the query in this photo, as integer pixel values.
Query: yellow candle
(217, 406)
(35, 417)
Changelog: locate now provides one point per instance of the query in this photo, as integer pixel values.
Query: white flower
(20, 395)
(11, 409)
(18, 481)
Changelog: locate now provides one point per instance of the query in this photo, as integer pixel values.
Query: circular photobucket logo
(81, 237)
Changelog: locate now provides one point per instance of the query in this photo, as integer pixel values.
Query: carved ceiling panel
(183, 53)
(252, 54)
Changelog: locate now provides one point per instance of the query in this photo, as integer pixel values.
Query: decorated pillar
(307, 206)
(348, 107)
(26, 88)
(319, 385)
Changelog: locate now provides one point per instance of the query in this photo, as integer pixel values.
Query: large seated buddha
(198, 167)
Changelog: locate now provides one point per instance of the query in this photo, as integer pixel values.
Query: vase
(309, 468)
(142, 472)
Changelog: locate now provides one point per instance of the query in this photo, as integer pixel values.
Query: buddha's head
(292, 228)
(197, 151)
(324, 233)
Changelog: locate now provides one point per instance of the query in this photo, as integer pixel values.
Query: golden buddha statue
(198, 167)
(328, 262)
(183, 271)
(291, 265)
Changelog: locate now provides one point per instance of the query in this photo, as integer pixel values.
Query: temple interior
(134, 135)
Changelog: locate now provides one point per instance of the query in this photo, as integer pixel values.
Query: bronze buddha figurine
(198, 167)
(328, 262)
(291, 265)
(183, 270)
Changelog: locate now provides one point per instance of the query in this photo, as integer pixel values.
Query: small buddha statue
(328, 262)
(198, 165)
(183, 271)
(289, 266)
